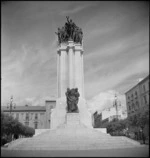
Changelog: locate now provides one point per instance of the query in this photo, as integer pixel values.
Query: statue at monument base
(72, 96)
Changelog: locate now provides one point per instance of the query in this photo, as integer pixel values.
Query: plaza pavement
(142, 151)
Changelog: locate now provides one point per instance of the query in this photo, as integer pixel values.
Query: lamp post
(11, 104)
(116, 105)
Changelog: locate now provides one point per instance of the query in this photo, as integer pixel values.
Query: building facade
(108, 115)
(38, 117)
(138, 97)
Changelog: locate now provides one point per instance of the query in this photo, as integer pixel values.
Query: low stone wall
(39, 131)
(103, 130)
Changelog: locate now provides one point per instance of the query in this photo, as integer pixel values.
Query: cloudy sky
(116, 47)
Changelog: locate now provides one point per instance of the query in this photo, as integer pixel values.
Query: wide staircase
(73, 136)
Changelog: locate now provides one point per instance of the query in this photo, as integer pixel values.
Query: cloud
(105, 100)
(115, 62)
(115, 43)
(74, 10)
(106, 79)
(28, 74)
(35, 101)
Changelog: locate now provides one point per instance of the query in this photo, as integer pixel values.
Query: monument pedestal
(59, 114)
(72, 119)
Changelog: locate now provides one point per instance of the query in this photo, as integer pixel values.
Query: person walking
(142, 136)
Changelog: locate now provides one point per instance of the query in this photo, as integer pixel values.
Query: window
(31, 115)
(22, 115)
(36, 116)
(137, 104)
(35, 125)
(27, 116)
(128, 98)
(133, 107)
(27, 123)
(129, 107)
(17, 116)
(145, 99)
(132, 97)
(136, 95)
(144, 88)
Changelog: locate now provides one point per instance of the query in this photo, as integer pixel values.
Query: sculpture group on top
(72, 96)
(70, 32)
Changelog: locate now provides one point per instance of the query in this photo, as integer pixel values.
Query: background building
(138, 97)
(38, 117)
(109, 114)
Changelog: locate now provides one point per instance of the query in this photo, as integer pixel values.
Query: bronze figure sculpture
(72, 96)
(69, 32)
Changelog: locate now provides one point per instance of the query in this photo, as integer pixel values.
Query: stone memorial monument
(70, 76)
(71, 122)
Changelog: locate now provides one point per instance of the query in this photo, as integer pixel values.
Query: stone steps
(72, 147)
(73, 137)
(58, 144)
(73, 144)
(53, 141)
(17, 142)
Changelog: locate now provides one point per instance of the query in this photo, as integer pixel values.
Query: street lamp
(11, 104)
(116, 105)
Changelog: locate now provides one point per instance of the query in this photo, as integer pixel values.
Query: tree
(133, 123)
(143, 117)
(6, 123)
(115, 127)
(11, 126)
(139, 120)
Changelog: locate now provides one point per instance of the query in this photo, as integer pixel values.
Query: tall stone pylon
(70, 74)
(70, 68)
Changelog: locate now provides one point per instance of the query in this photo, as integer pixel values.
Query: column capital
(62, 47)
(70, 45)
(60, 50)
(79, 49)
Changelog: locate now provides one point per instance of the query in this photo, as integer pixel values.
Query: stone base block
(72, 119)
(59, 115)
(103, 130)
